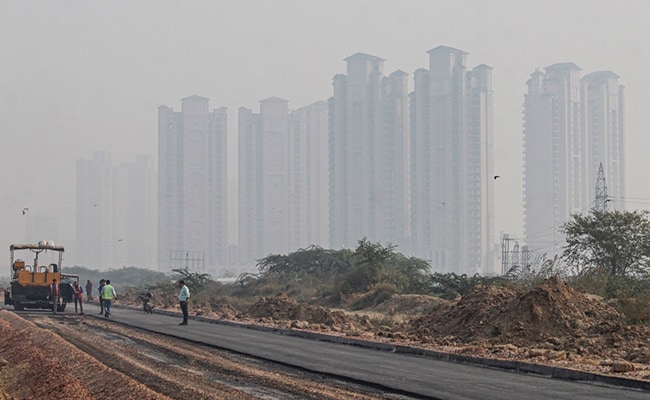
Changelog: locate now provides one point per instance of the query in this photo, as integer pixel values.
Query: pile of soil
(282, 308)
(410, 304)
(550, 316)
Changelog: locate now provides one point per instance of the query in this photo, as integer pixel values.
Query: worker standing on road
(108, 295)
(89, 290)
(77, 293)
(183, 297)
(102, 282)
(54, 295)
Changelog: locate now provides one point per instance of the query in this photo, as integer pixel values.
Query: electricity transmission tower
(600, 203)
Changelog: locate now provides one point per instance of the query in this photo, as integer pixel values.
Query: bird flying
(24, 210)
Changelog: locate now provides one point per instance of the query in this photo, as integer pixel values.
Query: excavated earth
(551, 324)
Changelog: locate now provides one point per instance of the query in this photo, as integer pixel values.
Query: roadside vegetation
(607, 254)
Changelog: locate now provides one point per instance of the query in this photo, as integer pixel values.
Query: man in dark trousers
(54, 295)
(102, 282)
(183, 297)
(89, 290)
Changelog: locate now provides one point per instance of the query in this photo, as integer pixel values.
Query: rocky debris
(622, 366)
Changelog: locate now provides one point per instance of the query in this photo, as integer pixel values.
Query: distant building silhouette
(264, 180)
(368, 153)
(571, 125)
(308, 160)
(95, 213)
(192, 183)
(116, 213)
(452, 181)
(603, 108)
(135, 226)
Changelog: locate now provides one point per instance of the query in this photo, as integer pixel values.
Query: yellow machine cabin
(30, 283)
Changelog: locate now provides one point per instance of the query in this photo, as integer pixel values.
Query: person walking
(183, 297)
(54, 295)
(89, 290)
(77, 293)
(102, 282)
(108, 295)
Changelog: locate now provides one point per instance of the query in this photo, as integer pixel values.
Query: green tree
(195, 280)
(617, 241)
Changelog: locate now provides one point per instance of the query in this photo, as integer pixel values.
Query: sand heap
(552, 315)
(282, 308)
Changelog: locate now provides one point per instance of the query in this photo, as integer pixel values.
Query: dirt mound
(556, 309)
(411, 304)
(466, 319)
(552, 312)
(284, 308)
(224, 311)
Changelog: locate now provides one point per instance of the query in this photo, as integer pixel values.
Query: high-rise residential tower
(95, 240)
(192, 185)
(264, 180)
(368, 152)
(116, 213)
(308, 176)
(604, 128)
(452, 194)
(135, 214)
(571, 125)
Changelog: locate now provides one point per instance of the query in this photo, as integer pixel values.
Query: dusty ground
(104, 360)
(551, 324)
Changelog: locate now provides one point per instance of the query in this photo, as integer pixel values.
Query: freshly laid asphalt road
(379, 365)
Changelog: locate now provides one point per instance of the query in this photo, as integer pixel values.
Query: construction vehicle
(31, 284)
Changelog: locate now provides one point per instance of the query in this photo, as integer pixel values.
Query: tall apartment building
(368, 150)
(604, 128)
(308, 176)
(135, 226)
(452, 195)
(264, 180)
(571, 125)
(192, 185)
(94, 211)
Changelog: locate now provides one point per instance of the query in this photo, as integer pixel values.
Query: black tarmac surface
(398, 369)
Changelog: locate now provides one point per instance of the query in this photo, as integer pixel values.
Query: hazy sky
(80, 76)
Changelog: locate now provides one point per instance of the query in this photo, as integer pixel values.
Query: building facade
(571, 125)
(135, 226)
(264, 180)
(368, 148)
(308, 176)
(603, 105)
(95, 214)
(452, 178)
(192, 185)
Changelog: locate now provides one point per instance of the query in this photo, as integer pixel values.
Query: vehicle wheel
(18, 306)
